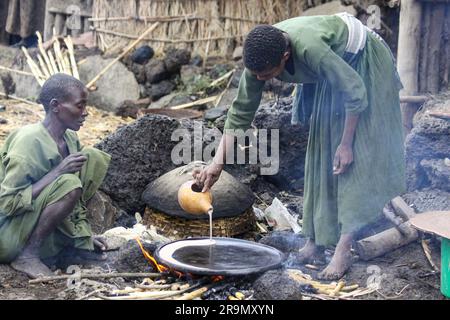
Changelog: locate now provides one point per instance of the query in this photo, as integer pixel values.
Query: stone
(115, 86)
(285, 241)
(170, 100)
(238, 53)
(101, 213)
(189, 73)
(427, 140)
(196, 60)
(142, 55)
(175, 58)
(23, 86)
(160, 89)
(277, 285)
(156, 71)
(139, 72)
(131, 259)
(214, 113)
(328, 8)
(438, 173)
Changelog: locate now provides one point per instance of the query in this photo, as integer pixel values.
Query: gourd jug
(193, 200)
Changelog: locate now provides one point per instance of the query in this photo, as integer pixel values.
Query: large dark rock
(140, 152)
(293, 141)
(175, 58)
(142, 55)
(156, 71)
(428, 140)
(160, 89)
(139, 72)
(114, 87)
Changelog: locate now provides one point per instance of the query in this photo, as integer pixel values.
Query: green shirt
(317, 43)
(27, 155)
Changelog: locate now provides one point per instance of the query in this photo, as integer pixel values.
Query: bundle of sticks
(336, 290)
(50, 62)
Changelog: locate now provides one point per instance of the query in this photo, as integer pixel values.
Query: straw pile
(205, 27)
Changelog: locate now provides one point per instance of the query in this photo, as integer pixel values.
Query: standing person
(350, 97)
(46, 179)
(25, 17)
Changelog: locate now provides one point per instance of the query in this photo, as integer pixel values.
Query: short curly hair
(264, 48)
(58, 87)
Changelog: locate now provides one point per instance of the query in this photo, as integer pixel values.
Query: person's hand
(207, 176)
(100, 243)
(342, 159)
(71, 164)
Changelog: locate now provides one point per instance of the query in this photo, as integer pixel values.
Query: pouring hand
(207, 176)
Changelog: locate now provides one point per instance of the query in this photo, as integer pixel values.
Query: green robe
(345, 203)
(29, 154)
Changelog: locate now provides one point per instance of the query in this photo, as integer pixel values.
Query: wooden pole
(408, 55)
(434, 46)
(128, 49)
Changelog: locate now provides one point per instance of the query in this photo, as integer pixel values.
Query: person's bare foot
(311, 254)
(32, 266)
(338, 266)
(341, 261)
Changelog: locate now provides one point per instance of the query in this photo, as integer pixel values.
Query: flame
(152, 260)
(217, 278)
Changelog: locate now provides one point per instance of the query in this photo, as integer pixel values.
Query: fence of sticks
(213, 27)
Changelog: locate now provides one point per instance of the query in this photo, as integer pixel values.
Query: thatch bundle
(213, 27)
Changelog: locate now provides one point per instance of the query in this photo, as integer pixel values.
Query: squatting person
(46, 178)
(349, 94)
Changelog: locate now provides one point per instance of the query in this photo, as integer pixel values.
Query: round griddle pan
(221, 256)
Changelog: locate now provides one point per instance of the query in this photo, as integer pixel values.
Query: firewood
(96, 276)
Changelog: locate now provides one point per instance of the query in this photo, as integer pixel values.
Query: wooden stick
(98, 276)
(427, 251)
(148, 19)
(206, 51)
(17, 71)
(58, 56)
(441, 115)
(153, 286)
(52, 62)
(44, 68)
(413, 99)
(194, 294)
(222, 78)
(44, 53)
(73, 62)
(67, 63)
(129, 36)
(13, 97)
(34, 68)
(128, 49)
(195, 103)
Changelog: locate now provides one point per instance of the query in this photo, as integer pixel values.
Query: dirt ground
(404, 273)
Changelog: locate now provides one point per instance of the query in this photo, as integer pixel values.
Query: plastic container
(445, 267)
